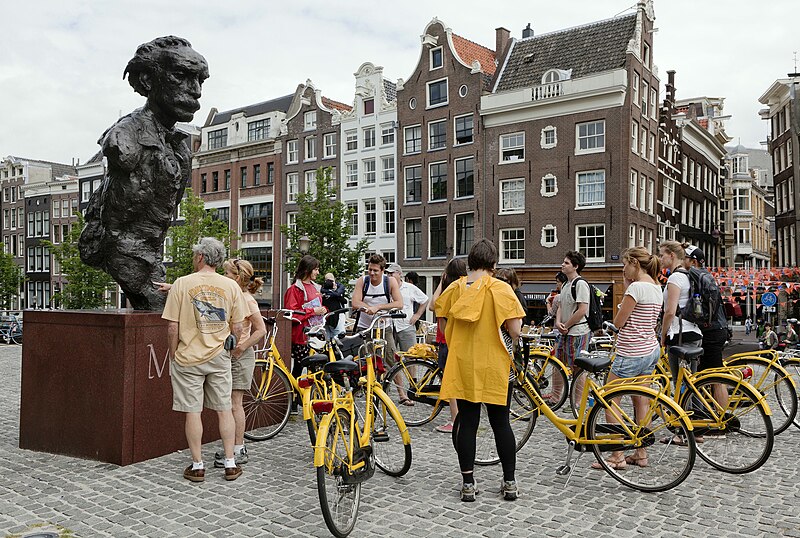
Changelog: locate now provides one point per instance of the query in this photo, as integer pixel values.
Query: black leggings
(467, 420)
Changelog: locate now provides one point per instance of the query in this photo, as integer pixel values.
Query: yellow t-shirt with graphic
(204, 305)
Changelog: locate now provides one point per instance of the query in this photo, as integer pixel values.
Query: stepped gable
(588, 49)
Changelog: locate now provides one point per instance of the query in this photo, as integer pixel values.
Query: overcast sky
(61, 62)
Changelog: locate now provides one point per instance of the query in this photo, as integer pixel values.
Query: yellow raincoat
(478, 363)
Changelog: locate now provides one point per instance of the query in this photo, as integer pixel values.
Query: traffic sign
(769, 299)
(769, 309)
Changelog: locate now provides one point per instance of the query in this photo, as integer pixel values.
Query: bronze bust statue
(149, 166)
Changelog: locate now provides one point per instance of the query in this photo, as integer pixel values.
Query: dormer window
(437, 59)
(556, 75)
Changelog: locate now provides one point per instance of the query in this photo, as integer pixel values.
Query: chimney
(527, 32)
(502, 37)
(671, 87)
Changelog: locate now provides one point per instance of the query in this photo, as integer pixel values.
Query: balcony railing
(547, 91)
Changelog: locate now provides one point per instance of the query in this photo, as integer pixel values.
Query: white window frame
(578, 204)
(350, 138)
(631, 236)
(634, 136)
(431, 125)
(428, 93)
(430, 182)
(310, 180)
(405, 139)
(456, 194)
(405, 237)
(504, 159)
(292, 186)
(310, 153)
(544, 190)
(651, 196)
(578, 138)
(389, 213)
(578, 237)
(387, 134)
(456, 233)
(369, 137)
(430, 58)
(633, 197)
(353, 222)
(455, 129)
(543, 142)
(543, 241)
(503, 239)
(370, 209)
(510, 189)
(430, 229)
(310, 120)
(645, 97)
(351, 174)
(387, 172)
(635, 89)
(329, 140)
(370, 171)
(292, 152)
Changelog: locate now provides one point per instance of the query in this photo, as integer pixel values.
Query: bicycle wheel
(413, 386)
(649, 465)
(551, 381)
(16, 336)
(267, 404)
(793, 367)
(737, 437)
(576, 390)
(777, 388)
(339, 501)
(392, 454)
(522, 415)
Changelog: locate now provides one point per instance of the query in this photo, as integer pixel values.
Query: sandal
(406, 402)
(679, 441)
(616, 465)
(640, 462)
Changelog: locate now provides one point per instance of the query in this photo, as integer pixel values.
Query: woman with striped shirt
(638, 349)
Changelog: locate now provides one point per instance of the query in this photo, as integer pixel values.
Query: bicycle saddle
(593, 362)
(686, 353)
(313, 362)
(341, 367)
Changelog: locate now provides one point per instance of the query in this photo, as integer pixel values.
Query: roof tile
(469, 51)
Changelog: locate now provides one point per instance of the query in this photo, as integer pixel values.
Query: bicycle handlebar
(608, 326)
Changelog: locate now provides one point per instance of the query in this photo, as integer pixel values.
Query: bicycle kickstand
(568, 469)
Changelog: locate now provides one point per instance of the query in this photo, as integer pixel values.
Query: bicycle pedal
(380, 437)
(563, 470)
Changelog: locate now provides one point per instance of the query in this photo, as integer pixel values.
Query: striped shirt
(637, 337)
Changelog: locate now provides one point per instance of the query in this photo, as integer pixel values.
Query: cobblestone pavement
(276, 495)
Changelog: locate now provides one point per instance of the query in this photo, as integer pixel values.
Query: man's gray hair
(212, 249)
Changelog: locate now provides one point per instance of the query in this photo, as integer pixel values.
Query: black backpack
(595, 315)
(704, 307)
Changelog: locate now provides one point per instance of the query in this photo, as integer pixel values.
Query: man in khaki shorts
(201, 307)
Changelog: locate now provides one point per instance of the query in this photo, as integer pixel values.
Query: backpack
(704, 307)
(595, 315)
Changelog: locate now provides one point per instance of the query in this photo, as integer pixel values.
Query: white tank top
(375, 295)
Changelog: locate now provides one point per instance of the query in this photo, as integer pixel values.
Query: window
(512, 196)
(549, 237)
(95, 185)
(388, 216)
(86, 191)
(389, 256)
(370, 217)
(590, 241)
(632, 236)
(369, 106)
(642, 193)
(635, 82)
(641, 237)
(257, 217)
(257, 173)
(387, 169)
(643, 145)
(227, 180)
(512, 245)
(218, 139)
(311, 148)
(437, 93)
(437, 135)
(56, 212)
(387, 134)
(436, 58)
(64, 209)
(438, 179)
(369, 172)
(632, 188)
(465, 233)
(413, 139)
(645, 97)
(653, 101)
(464, 129)
(292, 186)
(7, 219)
(311, 183)
(512, 147)
(413, 184)
(369, 137)
(548, 139)
(651, 194)
(591, 137)
(634, 137)
(352, 208)
(329, 141)
(549, 186)
(215, 181)
(465, 177)
(669, 192)
(257, 130)
(646, 55)
(413, 238)
(310, 120)
(463, 90)
(437, 232)
(243, 176)
(592, 189)
(351, 140)
(351, 174)
(741, 199)
(223, 214)
(291, 151)
(652, 149)
(412, 103)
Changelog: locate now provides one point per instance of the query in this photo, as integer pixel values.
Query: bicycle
(346, 451)
(637, 410)
(11, 330)
(737, 433)
(268, 403)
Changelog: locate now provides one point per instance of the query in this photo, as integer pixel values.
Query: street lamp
(304, 243)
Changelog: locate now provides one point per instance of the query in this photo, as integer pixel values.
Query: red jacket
(294, 299)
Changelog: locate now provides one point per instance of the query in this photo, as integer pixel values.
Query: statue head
(170, 74)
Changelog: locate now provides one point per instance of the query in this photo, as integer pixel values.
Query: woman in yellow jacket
(483, 320)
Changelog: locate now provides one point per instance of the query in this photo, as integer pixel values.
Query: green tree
(197, 223)
(326, 223)
(10, 279)
(86, 287)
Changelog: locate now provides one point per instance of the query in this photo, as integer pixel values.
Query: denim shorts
(633, 366)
